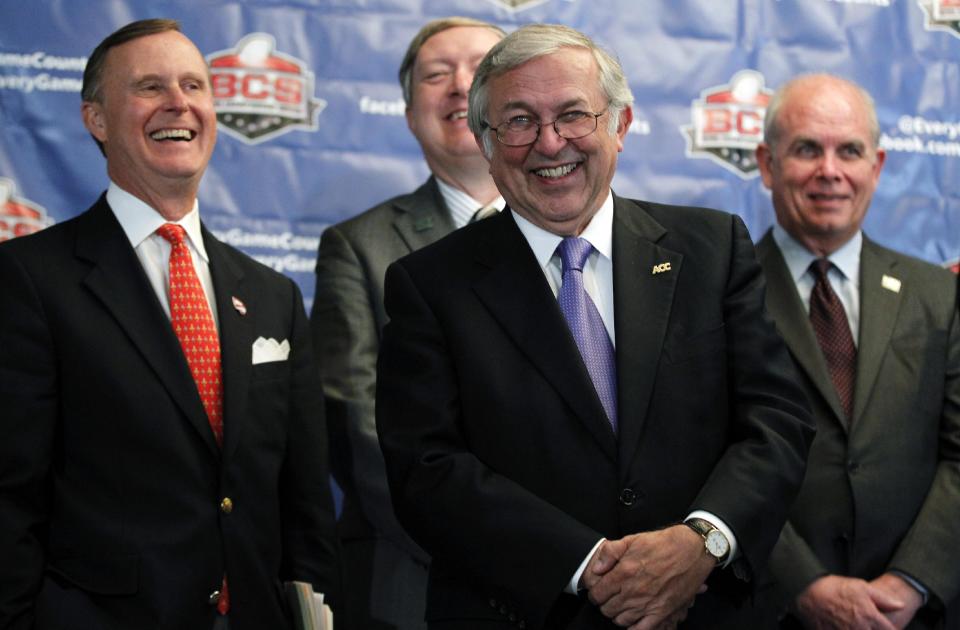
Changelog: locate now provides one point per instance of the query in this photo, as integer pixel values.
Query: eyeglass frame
(596, 124)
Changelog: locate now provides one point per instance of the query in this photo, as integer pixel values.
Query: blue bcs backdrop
(311, 115)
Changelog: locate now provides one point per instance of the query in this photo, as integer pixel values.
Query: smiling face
(823, 168)
(555, 183)
(437, 112)
(155, 116)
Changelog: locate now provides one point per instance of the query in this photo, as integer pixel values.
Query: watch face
(717, 544)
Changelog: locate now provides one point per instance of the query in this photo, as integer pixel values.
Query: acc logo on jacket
(19, 216)
(728, 123)
(941, 15)
(259, 93)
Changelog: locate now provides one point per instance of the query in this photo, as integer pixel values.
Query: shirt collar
(139, 221)
(798, 257)
(462, 206)
(599, 232)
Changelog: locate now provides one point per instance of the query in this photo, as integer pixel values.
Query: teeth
(559, 171)
(458, 115)
(179, 134)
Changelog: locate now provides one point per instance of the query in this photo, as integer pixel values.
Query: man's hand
(898, 588)
(845, 603)
(649, 580)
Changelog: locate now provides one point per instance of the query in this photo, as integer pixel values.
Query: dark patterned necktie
(830, 324)
(587, 327)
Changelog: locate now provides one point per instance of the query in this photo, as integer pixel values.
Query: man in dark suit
(162, 455)
(529, 458)
(385, 572)
(870, 541)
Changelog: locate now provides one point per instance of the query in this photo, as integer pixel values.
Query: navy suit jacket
(111, 481)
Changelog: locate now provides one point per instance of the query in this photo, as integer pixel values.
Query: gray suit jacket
(347, 318)
(883, 493)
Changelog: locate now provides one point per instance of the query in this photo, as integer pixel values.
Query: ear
(623, 125)
(94, 120)
(765, 164)
(881, 158)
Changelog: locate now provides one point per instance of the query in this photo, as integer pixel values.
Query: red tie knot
(172, 232)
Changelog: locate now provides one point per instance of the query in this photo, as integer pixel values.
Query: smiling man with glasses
(584, 409)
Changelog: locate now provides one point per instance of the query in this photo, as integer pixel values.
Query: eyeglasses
(520, 131)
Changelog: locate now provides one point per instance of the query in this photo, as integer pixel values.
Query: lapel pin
(240, 306)
(890, 283)
(422, 224)
(662, 267)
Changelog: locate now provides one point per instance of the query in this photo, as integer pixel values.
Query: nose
(177, 99)
(829, 167)
(462, 78)
(549, 142)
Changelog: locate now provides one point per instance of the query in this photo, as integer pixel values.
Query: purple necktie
(587, 327)
(830, 324)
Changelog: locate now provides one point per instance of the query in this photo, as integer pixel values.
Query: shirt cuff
(574, 584)
(717, 522)
(920, 588)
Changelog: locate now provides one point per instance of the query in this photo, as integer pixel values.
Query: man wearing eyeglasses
(585, 412)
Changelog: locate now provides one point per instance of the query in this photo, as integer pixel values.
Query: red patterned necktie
(829, 322)
(193, 323)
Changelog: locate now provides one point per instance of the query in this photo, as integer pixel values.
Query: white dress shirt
(844, 275)
(598, 283)
(140, 223)
(462, 206)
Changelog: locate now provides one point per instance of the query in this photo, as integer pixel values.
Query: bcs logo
(260, 94)
(942, 15)
(19, 216)
(728, 123)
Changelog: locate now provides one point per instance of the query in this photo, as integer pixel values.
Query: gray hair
(429, 30)
(771, 122)
(533, 41)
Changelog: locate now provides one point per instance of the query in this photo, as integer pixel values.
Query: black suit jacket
(884, 492)
(110, 479)
(385, 572)
(500, 458)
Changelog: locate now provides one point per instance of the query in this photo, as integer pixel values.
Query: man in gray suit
(384, 570)
(871, 540)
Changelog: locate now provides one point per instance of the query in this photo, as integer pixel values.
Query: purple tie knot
(574, 252)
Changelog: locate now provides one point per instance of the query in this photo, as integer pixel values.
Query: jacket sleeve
(28, 389)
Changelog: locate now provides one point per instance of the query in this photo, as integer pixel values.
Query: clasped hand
(649, 580)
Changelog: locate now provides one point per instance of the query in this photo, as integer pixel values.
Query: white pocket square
(267, 350)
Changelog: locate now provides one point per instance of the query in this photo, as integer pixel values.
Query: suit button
(226, 505)
(522, 624)
(214, 598)
(512, 618)
(853, 466)
(493, 603)
(503, 610)
(628, 497)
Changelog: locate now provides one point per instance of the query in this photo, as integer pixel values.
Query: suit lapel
(879, 308)
(642, 304)
(236, 339)
(787, 310)
(422, 216)
(117, 279)
(512, 286)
